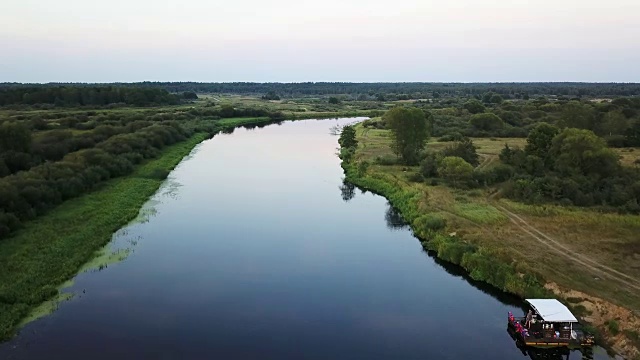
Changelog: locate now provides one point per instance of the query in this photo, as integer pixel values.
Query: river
(255, 249)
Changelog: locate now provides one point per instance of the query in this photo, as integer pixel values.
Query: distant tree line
(617, 121)
(402, 91)
(67, 96)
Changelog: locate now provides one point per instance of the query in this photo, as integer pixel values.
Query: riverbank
(50, 249)
(520, 249)
(40, 258)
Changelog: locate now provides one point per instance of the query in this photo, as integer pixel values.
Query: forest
(379, 91)
(67, 96)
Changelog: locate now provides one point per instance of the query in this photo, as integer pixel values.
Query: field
(578, 252)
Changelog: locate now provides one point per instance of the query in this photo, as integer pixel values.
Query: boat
(552, 325)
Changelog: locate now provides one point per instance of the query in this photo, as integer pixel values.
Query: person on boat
(528, 319)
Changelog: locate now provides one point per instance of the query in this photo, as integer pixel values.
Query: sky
(329, 40)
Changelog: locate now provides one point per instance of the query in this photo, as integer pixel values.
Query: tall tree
(540, 140)
(348, 137)
(615, 123)
(409, 130)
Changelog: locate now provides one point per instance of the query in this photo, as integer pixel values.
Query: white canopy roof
(552, 310)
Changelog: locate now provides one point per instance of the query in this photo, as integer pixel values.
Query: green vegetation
(409, 131)
(529, 187)
(542, 247)
(30, 277)
(71, 177)
(455, 170)
(613, 326)
(400, 91)
(61, 96)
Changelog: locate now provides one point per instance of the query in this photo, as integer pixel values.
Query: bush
(612, 326)
(456, 136)
(386, 160)
(429, 165)
(616, 141)
(430, 223)
(416, 177)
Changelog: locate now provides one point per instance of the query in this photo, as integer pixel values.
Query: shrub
(612, 326)
(430, 223)
(429, 165)
(386, 160)
(416, 177)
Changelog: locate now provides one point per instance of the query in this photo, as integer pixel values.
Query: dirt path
(592, 265)
(488, 160)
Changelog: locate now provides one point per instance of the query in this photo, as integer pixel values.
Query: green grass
(480, 213)
(51, 249)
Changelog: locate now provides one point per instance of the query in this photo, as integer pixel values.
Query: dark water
(256, 250)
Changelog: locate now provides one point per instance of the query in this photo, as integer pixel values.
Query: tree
(464, 149)
(190, 95)
(271, 95)
(429, 165)
(578, 151)
(348, 137)
(227, 111)
(486, 121)
(496, 99)
(347, 191)
(15, 136)
(615, 123)
(409, 130)
(474, 106)
(540, 140)
(334, 100)
(632, 135)
(577, 115)
(455, 170)
(486, 98)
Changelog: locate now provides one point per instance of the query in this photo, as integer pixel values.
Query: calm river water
(254, 249)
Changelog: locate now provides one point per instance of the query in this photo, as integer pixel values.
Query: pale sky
(329, 40)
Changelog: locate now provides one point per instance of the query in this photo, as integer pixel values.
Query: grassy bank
(578, 255)
(50, 250)
(429, 225)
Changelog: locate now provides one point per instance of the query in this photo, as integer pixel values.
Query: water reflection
(393, 219)
(552, 353)
(347, 191)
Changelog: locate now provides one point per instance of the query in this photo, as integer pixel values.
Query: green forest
(379, 91)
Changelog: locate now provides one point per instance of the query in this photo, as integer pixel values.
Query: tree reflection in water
(393, 219)
(347, 190)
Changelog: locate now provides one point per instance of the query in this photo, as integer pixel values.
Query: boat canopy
(552, 310)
